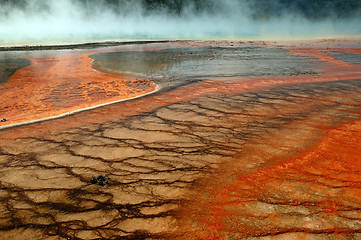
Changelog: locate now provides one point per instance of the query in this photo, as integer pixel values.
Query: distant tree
(311, 9)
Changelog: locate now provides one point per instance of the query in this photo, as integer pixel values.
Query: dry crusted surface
(153, 159)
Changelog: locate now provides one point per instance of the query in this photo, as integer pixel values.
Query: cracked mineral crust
(216, 153)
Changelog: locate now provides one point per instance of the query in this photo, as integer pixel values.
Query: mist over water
(32, 21)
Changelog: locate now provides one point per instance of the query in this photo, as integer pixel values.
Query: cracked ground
(257, 157)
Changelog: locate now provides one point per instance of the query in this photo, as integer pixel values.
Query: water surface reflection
(177, 66)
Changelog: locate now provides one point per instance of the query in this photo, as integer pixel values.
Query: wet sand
(269, 153)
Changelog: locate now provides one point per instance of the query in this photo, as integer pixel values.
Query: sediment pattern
(274, 159)
(153, 159)
(298, 179)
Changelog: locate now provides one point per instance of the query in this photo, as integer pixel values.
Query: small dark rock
(100, 180)
(101, 183)
(93, 180)
(3, 120)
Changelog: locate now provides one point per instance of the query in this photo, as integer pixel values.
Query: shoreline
(71, 46)
(12, 125)
(112, 43)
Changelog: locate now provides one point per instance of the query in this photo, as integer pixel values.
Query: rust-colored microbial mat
(57, 83)
(238, 140)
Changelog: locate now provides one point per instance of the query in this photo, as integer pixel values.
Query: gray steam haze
(66, 20)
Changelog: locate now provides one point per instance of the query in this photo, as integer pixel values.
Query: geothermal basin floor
(221, 140)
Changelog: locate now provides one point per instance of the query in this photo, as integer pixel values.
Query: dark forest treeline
(314, 9)
(258, 9)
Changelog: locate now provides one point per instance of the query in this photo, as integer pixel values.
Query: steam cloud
(80, 20)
